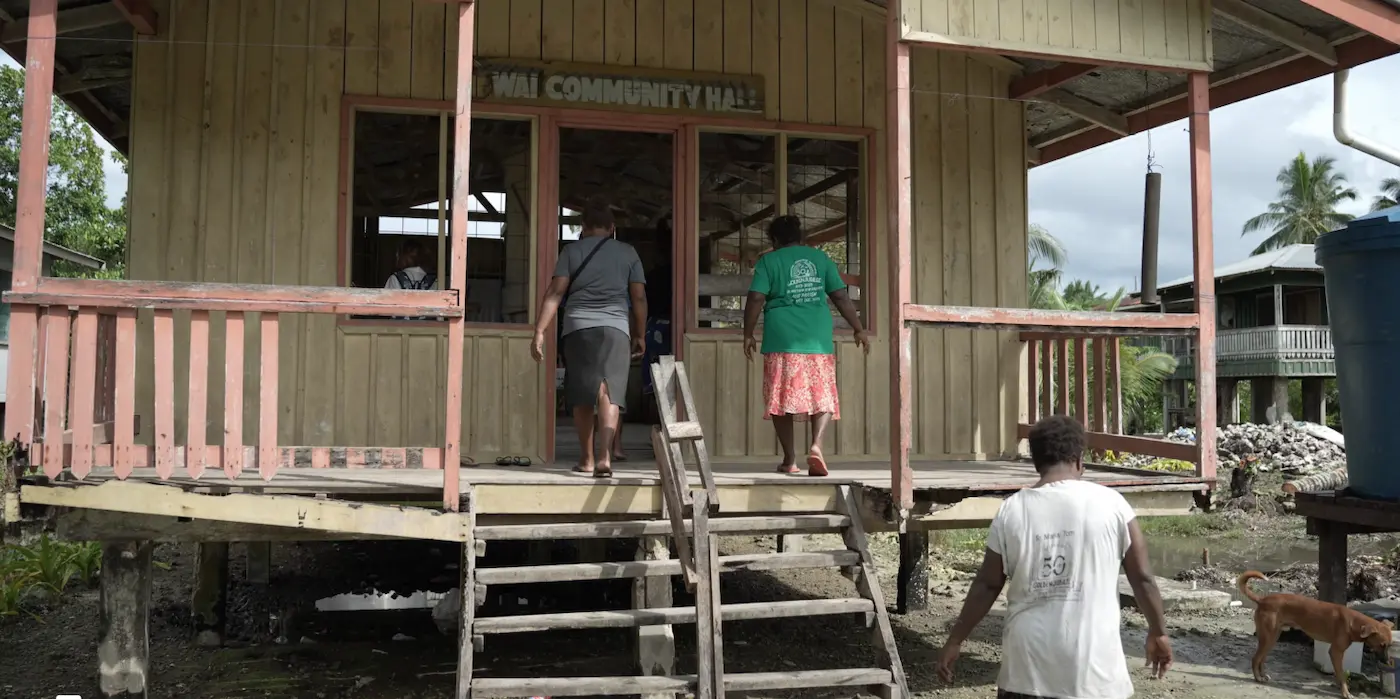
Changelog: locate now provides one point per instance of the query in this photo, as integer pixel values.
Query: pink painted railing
(84, 382)
(1081, 376)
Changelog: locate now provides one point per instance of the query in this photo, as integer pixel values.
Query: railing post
(899, 222)
(456, 326)
(29, 218)
(1198, 97)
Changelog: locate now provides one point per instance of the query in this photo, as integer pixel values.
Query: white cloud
(1093, 201)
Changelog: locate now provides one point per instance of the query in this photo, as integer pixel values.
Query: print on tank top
(1055, 580)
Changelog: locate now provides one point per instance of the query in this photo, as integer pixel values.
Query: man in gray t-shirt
(599, 294)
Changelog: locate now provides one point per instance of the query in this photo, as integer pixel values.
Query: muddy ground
(280, 648)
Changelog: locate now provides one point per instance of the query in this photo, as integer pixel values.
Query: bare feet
(816, 463)
(619, 455)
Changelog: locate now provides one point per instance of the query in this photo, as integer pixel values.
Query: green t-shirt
(796, 318)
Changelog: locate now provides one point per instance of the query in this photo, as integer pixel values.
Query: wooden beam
(1242, 82)
(69, 21)
(1031, 319)
(899, 220)
(1278, 29)
(139, 14)
(998, 62)
(1088, 111)
(1203, 245)
(1372, 16)
(273, 510)
(1043, 81)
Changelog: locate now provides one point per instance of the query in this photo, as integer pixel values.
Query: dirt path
(355, 654)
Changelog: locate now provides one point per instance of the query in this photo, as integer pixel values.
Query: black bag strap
(573, 276)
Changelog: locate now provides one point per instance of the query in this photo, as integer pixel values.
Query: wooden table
(1332, 515)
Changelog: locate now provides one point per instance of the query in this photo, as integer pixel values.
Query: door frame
(550, 124)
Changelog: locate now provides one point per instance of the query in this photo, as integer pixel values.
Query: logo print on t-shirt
(1054, 578)
(804, 284)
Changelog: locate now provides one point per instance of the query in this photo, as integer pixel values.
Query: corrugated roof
(54, 250)
(1292, 257)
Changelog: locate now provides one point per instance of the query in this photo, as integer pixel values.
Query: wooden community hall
(253, 380)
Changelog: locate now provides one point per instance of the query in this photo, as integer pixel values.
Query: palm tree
(1142, 371)
(1389, 196)
(1307, 206)
(1043, 283)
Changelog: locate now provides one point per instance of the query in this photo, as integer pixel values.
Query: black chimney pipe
(1151, 220)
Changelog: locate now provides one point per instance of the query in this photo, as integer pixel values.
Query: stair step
(509, 688)
(809, 524)
(622, 618)
(641, 569)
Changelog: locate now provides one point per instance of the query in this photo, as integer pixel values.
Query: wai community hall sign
(603, 87)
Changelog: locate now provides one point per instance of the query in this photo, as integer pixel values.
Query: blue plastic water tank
(1362, 267)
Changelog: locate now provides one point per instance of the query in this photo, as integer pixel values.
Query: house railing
(85, 368)
(1272, 342)
(1081, 375)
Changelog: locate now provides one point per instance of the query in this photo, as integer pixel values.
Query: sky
(1092, 201)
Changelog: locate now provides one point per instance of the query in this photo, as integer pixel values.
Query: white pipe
(1344, 135)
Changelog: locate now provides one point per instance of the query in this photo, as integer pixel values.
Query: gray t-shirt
(598, 297)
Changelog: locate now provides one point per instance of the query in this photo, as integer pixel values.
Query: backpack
(407, 283)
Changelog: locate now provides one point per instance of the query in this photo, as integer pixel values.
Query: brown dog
(1323, 621)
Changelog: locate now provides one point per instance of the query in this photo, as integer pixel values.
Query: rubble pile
(1294, 448)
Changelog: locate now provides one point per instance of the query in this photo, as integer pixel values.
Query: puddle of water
(378, 601)
(1172, 555)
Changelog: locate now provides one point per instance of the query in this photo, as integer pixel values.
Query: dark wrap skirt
(592, 357)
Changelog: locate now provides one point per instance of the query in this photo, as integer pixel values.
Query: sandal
(513, 461)
(605, 472)
(790, 470)
(580, 469)
(816, 466)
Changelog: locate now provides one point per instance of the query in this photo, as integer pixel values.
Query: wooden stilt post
(123, 634)
(898, 223)
(1198, 96)
(913, 572)
(259, 562)
(656, 645)
(457, 269)
(210, 602)
(29, 221)
(1331, 561)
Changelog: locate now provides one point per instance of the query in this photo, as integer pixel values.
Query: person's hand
(639, 347)
(1159, 654)
(863, 340)
(750, 346)
(946, 659)
(537, 347)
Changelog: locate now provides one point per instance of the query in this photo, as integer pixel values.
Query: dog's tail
(1242, 582)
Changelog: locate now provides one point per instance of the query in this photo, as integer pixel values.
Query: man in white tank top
(1059, 544)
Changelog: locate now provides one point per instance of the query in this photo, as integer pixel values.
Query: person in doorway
(410, 274)
(593, 281)
(1060, 543)
(791, 285)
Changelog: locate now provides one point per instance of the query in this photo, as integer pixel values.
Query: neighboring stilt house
(281, 150)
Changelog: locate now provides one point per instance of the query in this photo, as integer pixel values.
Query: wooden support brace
(656, 645)
(913, 572)
(1331, 561)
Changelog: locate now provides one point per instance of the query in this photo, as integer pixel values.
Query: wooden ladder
(693, 525)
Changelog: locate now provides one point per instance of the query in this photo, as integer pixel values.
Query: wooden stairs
(692, 526)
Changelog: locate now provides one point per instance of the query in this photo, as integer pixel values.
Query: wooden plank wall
(1167, 33)
(233, 180)
(234, 166)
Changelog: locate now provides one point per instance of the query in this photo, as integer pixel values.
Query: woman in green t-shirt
(791, 285)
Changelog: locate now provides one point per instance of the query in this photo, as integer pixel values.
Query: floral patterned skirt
(800, 385)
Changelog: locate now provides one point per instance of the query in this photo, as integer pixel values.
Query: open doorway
(634, 173)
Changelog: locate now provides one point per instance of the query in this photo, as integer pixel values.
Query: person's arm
(638, 315)
(1149, 600)
(549, 307)
(847, 308)
(840, 296)
(753, 306)
(986, 587)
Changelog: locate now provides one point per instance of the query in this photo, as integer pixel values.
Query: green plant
(87, 561)
(48, 563)
(12, 589)
(1172, 465)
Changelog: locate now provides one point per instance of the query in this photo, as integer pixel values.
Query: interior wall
(235, 156)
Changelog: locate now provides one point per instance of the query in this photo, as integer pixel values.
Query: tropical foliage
(33, 575)
(1142, 369)
(76, 213)
(1308, 196)
(1389, 196)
